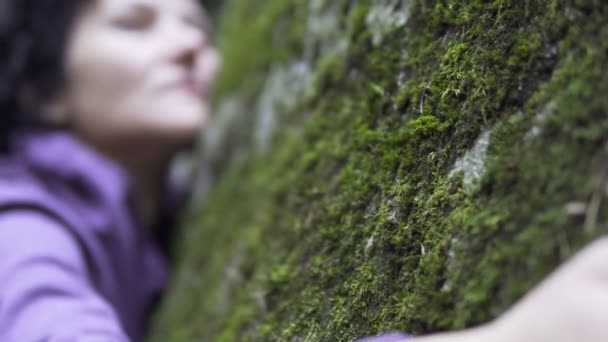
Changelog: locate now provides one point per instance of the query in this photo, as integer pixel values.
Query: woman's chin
(156, 135)
(190, 122)
(185, 119)
(185, 127)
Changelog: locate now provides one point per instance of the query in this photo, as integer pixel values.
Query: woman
(96, 97)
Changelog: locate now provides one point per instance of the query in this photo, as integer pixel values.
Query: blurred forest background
(411, 165)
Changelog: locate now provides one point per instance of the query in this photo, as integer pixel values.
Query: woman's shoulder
(54, 171)
(19, 184)
(21, 189)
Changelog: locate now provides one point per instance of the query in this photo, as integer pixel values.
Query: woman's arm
(45, 293)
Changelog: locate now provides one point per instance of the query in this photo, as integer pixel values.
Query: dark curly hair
(33, 39)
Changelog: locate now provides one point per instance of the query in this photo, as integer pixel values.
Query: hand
(570, 305)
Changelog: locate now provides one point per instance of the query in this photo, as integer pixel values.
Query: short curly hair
(33, 39)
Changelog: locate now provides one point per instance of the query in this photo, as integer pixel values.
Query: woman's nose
(187, 43)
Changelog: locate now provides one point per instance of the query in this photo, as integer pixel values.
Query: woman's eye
(134, 23)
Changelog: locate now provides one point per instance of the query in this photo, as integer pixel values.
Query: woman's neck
(147, 176)
(148, 184)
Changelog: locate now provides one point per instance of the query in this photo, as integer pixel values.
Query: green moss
(354, 222)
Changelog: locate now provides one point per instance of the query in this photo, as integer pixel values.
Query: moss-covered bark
(392, 164)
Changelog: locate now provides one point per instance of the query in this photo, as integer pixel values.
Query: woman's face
(138, 76)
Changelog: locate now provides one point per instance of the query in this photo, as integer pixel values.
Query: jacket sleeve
(45, 292)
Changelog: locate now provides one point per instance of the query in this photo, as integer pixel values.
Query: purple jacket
(75, 265)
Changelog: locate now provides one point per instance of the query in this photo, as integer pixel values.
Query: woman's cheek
(208, 66)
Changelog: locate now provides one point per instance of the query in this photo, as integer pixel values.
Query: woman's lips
(190, 85)
(187, 84)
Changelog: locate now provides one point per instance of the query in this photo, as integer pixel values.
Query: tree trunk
(391, 165)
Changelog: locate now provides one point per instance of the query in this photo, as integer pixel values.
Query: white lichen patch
(324, 34)
(472, 164)
(286, 87)
(539, 120)
(402, 79)
(385, 17)
(231, 279)
(452, 262)
(369, 244)
(228, 113)
(451, 252)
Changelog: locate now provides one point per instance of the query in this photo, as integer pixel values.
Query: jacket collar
(61, 156)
